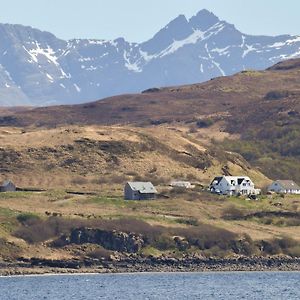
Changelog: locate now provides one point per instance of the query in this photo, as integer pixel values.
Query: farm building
(233, 185)
(7, 186)
(284, 187)
(181, 184)
(139, 191)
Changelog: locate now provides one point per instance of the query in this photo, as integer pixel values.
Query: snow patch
(201, 68)
(78, 89)
(249, 49)
(214, 62)
(221, 51)
(192, 39)
(131, 66)
(50, 77)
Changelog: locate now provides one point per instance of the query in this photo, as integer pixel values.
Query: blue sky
(138, 20)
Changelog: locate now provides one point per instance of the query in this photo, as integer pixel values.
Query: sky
(139, 20)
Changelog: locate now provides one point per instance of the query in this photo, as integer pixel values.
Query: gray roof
(142, 187)
(6, 183)
(288, 184)
(217, 179)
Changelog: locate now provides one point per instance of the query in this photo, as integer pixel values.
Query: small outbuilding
(284, 187)
(181, 184)
(139, 191)
(7, 186)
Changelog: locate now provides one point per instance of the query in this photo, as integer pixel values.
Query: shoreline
(148, 265)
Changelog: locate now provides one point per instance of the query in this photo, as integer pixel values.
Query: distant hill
(262, 108)
(36, 68)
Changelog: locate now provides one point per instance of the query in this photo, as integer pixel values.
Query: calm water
(256, 285)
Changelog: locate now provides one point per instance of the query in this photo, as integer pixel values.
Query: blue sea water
(220, 285)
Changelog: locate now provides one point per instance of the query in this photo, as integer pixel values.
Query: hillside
(261, 108)
(37, 68)
(93, 155)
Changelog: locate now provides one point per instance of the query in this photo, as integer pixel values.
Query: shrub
(204, 123)
(244, 246)
(40, 231)
(276, 95)
(284, 245)
(206, 236)
(28, 218)
(164, 242)
(231, 212)
(188, 221)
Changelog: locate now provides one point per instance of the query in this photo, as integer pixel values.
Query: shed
(139, 191)
(181, 184)
(7, 186)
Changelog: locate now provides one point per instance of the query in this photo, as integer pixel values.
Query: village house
(7, 186)
(139, 191)
(181, 184)
(233, 185)
(284, 187)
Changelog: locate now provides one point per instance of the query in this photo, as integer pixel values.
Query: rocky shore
(149, 264)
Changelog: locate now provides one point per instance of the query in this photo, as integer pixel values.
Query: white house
(233, 185)
(139, 191)
(284, 187)
(181, 184)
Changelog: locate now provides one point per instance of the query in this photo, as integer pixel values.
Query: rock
(111, 240)
(181, 243)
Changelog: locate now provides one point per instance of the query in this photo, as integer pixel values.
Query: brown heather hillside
(245, 96)
(88, 156)
(262, 108)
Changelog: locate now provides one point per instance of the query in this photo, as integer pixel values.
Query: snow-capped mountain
(37, 68)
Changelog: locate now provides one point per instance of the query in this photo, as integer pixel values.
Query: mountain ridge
(36, 68)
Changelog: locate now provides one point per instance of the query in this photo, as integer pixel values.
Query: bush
(232, 213)
(28, 218)
(164, 242)
(284, 245)
(206, 236)
(188, 221)
(204, 123)
(276, 95)
(40, 231)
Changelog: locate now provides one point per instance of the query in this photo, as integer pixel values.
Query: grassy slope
(104, 159)
(173, 213)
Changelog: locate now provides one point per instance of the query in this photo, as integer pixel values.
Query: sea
(219, 285)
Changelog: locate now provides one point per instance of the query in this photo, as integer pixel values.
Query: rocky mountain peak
(203, 20)
(39, 69)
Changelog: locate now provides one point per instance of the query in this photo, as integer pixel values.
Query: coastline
(148, 265)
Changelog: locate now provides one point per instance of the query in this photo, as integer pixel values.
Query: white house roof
(142, 187)
(288, 184)
(238, 179)
(180, 182)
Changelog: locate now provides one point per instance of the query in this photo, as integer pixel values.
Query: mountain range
(37, 68)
